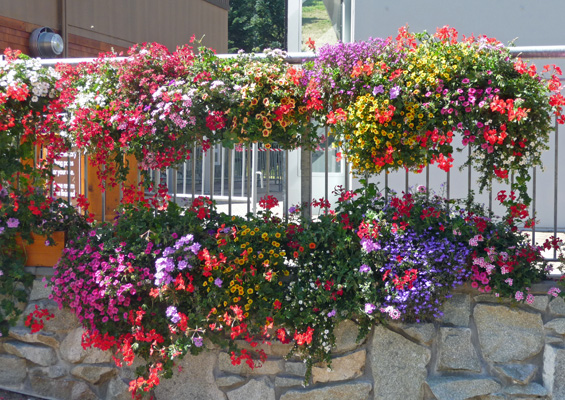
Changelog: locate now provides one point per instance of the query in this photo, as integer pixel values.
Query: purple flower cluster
(166, 264)
(441, 265)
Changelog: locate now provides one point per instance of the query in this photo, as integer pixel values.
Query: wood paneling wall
(95, 26)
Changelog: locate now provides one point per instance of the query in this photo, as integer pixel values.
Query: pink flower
(519, 296)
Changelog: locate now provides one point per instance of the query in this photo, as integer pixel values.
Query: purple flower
(218, 282)
(195, 248)
(378, 89)
(369, 308)
(13, 222)
(364, 268)
(292, 210)
(173, 314)
(2, 230)
(394, 92)
(197, 341)
(182, 264)
(332, 313)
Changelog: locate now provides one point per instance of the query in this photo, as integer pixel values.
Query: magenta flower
(369, 308)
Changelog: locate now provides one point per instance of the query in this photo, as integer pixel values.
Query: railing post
(306, 182)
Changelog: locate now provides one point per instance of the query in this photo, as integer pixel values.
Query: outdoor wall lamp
(45, 43)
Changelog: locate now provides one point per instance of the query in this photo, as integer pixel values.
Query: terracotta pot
(39, 255)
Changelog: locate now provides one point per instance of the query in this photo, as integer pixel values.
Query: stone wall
(483, 348)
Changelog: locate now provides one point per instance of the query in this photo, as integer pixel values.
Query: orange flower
(312, 245)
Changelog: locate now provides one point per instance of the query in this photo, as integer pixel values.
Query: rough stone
(508, 335)
(12, 370)
(357, 390)
(64, 389)
(489, 298)
(554, 371)
(423, 332)
(461, 388)
(520, 374)
(269, 367)
(229, 380)
(39, 291)
(118, 390)
(540, 303)
(557, 306)
(56, 371)
(274, 349)
(456, 352)
(557, 325)
(295, 368)
(25, 335)
(93, 373)
(398, 365)
(553, 340)
(457, 310)
(346, 333)
(533, 389)
(343, 368)
(64, 320)
(73, 352)
(36, 353)
(193, 380)
(255, 389)
(288, 381)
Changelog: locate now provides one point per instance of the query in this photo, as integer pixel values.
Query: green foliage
(256, 25)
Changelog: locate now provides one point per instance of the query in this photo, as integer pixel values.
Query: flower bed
(163, 283)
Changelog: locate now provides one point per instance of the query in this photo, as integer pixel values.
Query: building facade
(90, 27)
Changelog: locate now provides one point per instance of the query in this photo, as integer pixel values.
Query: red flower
(304, 338)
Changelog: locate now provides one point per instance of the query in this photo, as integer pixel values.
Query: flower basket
(37, 254)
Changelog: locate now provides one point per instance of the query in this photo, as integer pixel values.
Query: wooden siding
(169, 22)
(83, 47)
(95, 26)
(15, 34)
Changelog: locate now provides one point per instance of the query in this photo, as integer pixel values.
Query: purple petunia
(12, 223)
(364, 268)
(173, 314)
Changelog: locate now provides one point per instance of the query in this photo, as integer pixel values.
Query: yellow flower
(249, 291)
